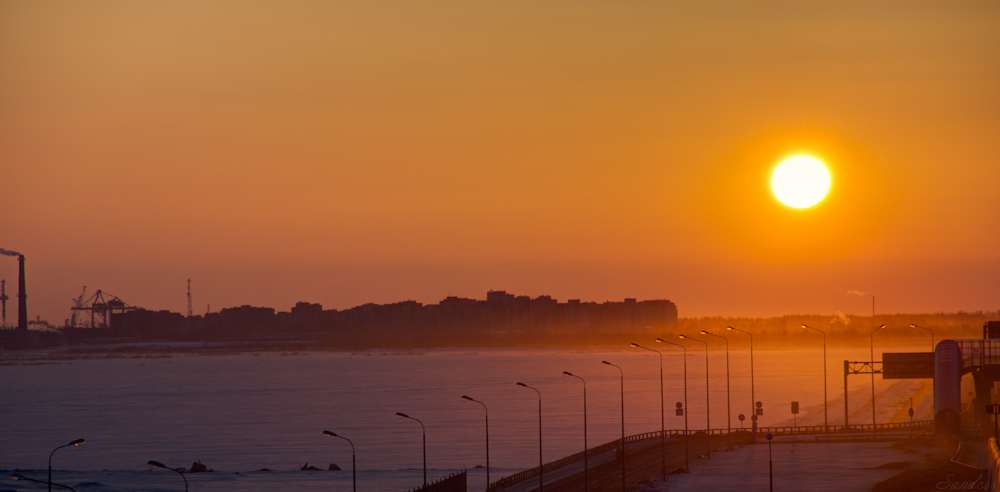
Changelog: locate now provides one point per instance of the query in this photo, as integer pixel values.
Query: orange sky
(381, 151)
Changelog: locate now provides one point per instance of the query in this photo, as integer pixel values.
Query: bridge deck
(643, 455)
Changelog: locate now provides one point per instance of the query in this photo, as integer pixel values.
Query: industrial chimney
(3, 302)
(22, 297)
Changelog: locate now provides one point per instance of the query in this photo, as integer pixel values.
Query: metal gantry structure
(859, 367)
(101, 306)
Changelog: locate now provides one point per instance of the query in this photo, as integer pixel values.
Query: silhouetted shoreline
(770, 333)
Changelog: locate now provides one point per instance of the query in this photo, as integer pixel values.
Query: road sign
(753, 417)
(760, 411)
(758, 404)
(909, 365)
(911, 412)
(680, 409)
(795, 408)
(742, 417)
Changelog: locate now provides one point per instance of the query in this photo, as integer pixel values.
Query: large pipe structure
(22, 297)
(947, 386)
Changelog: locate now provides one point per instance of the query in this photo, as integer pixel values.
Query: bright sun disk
(800, 181)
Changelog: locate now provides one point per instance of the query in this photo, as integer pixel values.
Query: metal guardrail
(865, 436)
(456, 482)
(520, 476)
(819, 429)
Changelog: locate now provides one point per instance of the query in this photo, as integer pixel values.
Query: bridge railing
(821, 429)
(523, 475)
(456, 482)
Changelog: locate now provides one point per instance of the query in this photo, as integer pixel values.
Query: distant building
(247, 319)
(306, 316)
(149, 325)
(452, 318)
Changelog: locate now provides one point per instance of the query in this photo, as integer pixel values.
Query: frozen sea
(238, 414)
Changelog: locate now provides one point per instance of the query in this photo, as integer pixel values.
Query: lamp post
(910, 411)
(753, 399)
(17, 477)
(423, 431)
(687, 453)
(541, 474)
(708, 415)
(770, 462)
(620, 371)
(354, 463)
(826, 424)
(78, 442)
(157, 464)
(586, 480)
(871, 351)
(663, 437)
(729, 410)
(466, 398)
(928, 329)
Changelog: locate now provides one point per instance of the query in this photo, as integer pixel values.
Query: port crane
(77, 303)
(101, 306)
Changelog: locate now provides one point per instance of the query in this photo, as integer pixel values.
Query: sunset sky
(351, 152)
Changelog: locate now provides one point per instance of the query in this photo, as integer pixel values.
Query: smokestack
(22, 297)
(3, 301)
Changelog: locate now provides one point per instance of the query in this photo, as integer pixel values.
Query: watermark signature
(977, 484)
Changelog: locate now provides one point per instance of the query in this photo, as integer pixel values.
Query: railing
(456, 482)
(821, 429)
(854, 437)
(679, 433)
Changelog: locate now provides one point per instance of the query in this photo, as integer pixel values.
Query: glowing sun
(800, 181)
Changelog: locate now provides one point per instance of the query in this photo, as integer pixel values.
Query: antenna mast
(189, 299)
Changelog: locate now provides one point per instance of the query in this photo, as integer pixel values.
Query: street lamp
(687, 453)
(620, 371)
(770, 461)
(871, 352)
(708, 418)
(663, 437)
(354, 464)
(586, 480)
(753, 407)
(928, 329)
(467, 398)
(729, 411)
(157, 464)
(78, 442)
(17, 477)
(826, 423)
(541, 475)
(423, 430)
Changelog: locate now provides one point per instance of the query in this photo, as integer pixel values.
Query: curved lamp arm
(157, 464)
